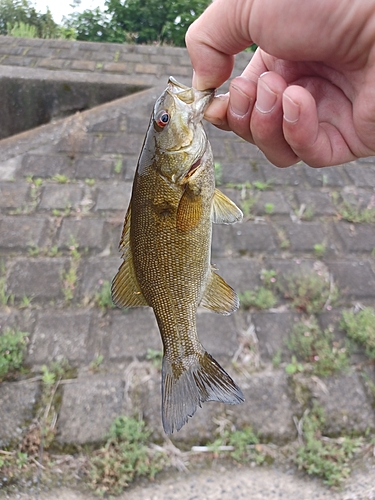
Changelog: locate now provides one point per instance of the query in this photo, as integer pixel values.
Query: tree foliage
(18, 15)
(138, 21)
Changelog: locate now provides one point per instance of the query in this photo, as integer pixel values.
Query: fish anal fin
(183, 390)
(223, 210)
(190, 211)
(219, 296)
(125, 289)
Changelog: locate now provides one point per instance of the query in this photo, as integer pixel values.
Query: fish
(166, 250)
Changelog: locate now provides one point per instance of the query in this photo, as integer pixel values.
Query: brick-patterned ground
(69, 184)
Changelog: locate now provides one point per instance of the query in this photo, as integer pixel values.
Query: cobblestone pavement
(64, 189)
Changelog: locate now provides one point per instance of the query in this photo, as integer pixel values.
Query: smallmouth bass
(166, 250)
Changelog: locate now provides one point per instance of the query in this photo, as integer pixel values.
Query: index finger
(214, 38)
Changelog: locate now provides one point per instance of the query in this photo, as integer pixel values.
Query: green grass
(12, 350)
(324, 457)
(241, 445)
(318, 348)
(260, 298)
(355, 214)
(360, 327)
(126, 456)
(103, 298)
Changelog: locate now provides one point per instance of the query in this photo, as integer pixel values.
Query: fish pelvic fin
(223, 210)
(189, 383)
(219, 296)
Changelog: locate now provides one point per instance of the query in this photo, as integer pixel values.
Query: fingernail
(266, 99)
(239, 102)
(291, 110)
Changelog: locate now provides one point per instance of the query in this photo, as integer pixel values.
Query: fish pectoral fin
(125, 289)
(223, 210)
(189, 212)
(184, 388)
(219, 296)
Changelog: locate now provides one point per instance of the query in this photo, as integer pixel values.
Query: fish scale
(166, 247)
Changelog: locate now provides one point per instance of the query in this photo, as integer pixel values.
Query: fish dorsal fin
(223, 210)
(219, 296)
(190, 211)
(125, 289)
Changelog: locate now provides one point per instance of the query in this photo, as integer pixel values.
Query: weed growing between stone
(322, 456)
(12, 350)
(103, 298)
(360, 327)
(318, 348)
(70, 277)
(260, 298)
(126, 455)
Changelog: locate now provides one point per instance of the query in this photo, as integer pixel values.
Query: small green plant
(269, 208)
(360, 327)
(116, 56)
(294, 367)
(96, 363)
(155, 356)
(283, 238)
(218, 173)
(25, 302)
(99, 65)
(324, 457)
(22, 30)
(276, 360)
(118, 165)
(355, 214)
(12, 350)
(262, 186)
(5, 298)
(104, 298)
(269, 278)
(53, 251)
(90, 182)
(60, 178)
(70, 276)
(309, 293)
(318, 348)
(33, 251)
(241, 445)
(247, 205)
(260, 298)
(125, 456)
(319, 250)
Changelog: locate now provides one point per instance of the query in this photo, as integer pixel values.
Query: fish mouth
(189, 95)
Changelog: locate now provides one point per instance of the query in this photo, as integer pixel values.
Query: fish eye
(162, 118)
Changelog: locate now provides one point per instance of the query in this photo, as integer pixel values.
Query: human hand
(308, 93)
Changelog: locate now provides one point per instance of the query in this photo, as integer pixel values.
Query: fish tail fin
(188, 383)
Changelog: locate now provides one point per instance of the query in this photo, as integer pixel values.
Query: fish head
(176, 125)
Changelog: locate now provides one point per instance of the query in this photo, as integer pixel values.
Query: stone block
(250, 237)
(268, 407)
(45, 165)
(346, 407)
(36, 278)
(290, 176)
(276, 199)
(218, 334)
(133, 333)
(17, 402)
(60, 196)
(116, 67)
(13, 194)
(113, 197)
(20, 232)
(355, 279)
(324, 177)
(356, 237)
(83, 65)
(96, 270)
(361, 175)
(304, 235)
(87, 167)
(319, 202)
(130, 144)
(89, 406)
(241, 274)
(86, 232)
(61, 335)
(273, 331)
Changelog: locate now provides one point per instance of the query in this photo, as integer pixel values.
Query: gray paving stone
(96, 270)
(20, 232)
(61, 335)
(274, 200)
(273, 330)
(91, 168)
(357, 237)
(133, 333)
(112, 197)
(241, 274)
(45, 165)
(352, 413)
(354, 279)
(250, 237)
(60, 196)
(129, 143)
(17, 402)
(359, 198)
(304, 235)
(75, 143)
(290, 176)
(361, 175)
(36, 278)
(322, 177)
(88, 233)
(218, 334)
(13, 194)
(89, 406)
(268, 407)
(319, 202)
